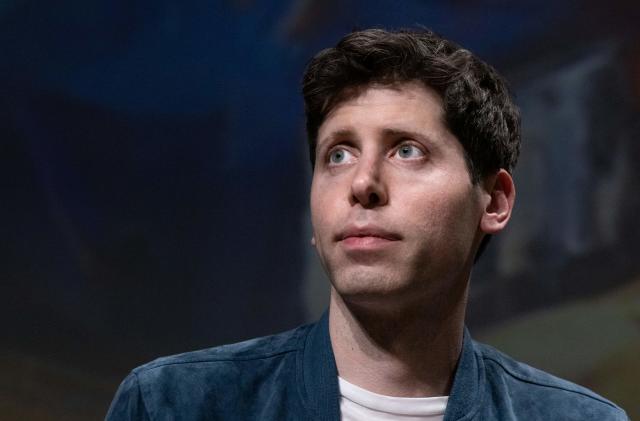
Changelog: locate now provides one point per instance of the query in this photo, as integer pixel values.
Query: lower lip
(366, 243)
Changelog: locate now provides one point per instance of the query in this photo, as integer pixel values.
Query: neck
(407, 352)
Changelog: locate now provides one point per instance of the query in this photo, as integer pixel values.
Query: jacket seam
(142, 397)
(228, 359)
(538, 383)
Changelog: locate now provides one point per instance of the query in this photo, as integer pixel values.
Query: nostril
(374, 199)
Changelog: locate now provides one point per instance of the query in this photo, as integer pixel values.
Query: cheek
(321, 212)
(448, 216)
(315, 223)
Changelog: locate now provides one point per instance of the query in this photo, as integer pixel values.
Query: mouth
(366, 237)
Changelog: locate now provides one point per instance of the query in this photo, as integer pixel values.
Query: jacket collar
(319, 382)
(319, 372)
(468, 383)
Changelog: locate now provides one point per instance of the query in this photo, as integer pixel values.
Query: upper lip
(366, 231)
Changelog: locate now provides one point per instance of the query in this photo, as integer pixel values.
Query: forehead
(404, 106)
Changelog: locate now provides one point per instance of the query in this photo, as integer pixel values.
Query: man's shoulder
(213, 380)
(261, 348)
(534, 388)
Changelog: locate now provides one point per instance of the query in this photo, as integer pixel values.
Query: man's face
(395, 215)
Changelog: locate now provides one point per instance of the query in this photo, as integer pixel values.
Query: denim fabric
(293, 376)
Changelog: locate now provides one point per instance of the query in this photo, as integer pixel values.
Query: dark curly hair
(478, 107)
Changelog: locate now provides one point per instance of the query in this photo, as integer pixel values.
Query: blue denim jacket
(293, 376)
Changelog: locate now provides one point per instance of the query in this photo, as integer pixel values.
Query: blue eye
(408, 151)
(339, 156)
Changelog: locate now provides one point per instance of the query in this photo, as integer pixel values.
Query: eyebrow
(388, 132)
(397, 132)
(344, 132)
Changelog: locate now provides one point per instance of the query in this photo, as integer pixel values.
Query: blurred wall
(155, 180)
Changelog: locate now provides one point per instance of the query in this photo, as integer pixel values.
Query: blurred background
(154, 177)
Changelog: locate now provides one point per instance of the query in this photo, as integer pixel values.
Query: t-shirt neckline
(429, 406)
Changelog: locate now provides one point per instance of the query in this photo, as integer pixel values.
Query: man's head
(478, 108)
(412, 140)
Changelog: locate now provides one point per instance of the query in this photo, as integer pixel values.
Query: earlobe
(497, 211)
(313, 241)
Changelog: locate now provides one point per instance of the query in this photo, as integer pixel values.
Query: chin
(369, 286)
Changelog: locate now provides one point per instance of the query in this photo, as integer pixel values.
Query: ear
(500, 197)
(313, 241)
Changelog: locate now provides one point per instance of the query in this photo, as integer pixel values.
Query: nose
(367, 186)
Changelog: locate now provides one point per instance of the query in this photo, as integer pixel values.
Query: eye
(339, 156)
(409, 151)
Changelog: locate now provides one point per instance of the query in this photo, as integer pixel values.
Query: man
(412, 141)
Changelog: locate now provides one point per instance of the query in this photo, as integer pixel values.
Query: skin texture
(396, 223)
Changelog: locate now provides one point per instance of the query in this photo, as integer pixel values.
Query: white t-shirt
(358, 404)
